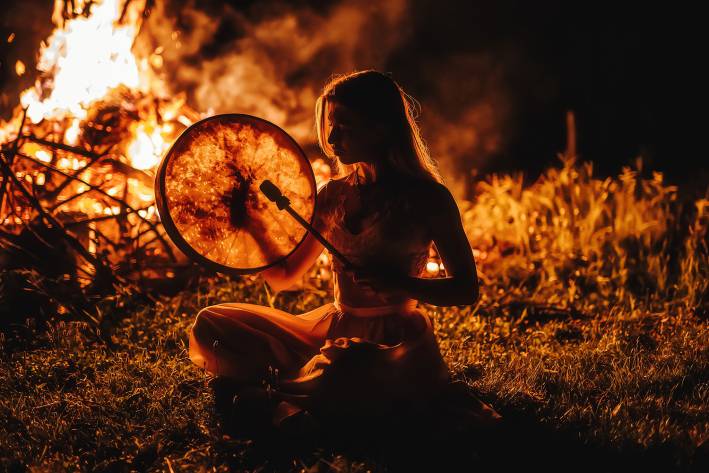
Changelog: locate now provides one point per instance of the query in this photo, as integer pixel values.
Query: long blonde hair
(380, 100)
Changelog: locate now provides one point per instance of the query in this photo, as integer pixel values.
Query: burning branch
(78, 158)
(122, 202)
(101, 269)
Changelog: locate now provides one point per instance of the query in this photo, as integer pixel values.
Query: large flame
(83, 61)
(95, 95)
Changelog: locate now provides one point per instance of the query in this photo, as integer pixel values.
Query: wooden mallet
(274, 194)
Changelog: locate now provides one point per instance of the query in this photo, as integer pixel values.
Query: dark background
(630, 73)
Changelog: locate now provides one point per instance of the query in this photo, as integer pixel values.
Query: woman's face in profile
(352, 137)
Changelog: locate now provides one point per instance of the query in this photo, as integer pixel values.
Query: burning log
(79, 156)
(77, 161)
(45, 193)
(82, 218)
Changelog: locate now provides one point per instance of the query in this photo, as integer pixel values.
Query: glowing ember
(432, 267)
(71, 136)
(19, 67)
(43, 156)
(147, 148)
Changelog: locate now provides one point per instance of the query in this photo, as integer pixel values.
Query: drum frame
(169, 224)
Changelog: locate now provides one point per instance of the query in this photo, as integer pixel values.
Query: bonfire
(79, 158)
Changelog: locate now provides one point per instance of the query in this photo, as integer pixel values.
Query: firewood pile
(82, 214)
(77, 163)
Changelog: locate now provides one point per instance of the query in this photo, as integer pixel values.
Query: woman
(370, 350)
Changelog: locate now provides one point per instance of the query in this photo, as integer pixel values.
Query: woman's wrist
(440, 291)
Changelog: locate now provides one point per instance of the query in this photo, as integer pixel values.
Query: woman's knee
(212, 321)
(204, 322)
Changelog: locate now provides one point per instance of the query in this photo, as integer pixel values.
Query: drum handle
(274, 194)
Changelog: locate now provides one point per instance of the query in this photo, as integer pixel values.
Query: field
(590, 337)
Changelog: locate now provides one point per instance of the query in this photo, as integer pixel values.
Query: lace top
(391, 239)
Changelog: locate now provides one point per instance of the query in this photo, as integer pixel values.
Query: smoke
(271, 59)
(464, 114)
(494, 79)
(270, 62)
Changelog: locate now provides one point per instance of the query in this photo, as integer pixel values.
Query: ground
(590, 337)
(595, 394)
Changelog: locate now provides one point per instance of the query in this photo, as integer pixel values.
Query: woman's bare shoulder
(329, 196)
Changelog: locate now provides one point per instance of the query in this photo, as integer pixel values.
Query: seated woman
(371, 350)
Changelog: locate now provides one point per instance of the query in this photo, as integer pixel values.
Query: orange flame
(86, 58)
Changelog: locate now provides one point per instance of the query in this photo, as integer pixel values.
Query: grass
(590, 337)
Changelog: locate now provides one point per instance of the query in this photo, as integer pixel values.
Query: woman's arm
(283, 275)
(440, 212)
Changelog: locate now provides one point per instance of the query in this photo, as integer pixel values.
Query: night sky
(627, 73)
(630, 74)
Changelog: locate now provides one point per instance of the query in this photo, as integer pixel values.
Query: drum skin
(208, 197)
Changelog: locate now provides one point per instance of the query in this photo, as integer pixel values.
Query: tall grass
(579, 241)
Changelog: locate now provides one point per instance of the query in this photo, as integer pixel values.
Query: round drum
(208, 197)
